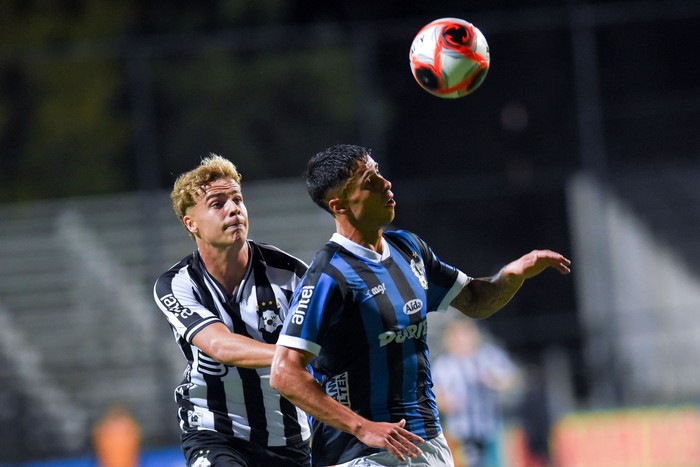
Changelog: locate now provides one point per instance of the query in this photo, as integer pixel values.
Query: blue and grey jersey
(364, 316)
(212, 396)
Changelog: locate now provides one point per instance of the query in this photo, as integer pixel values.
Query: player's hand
(537, 261)
(392, 437)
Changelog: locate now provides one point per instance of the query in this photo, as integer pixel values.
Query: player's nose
(386, 184)
(233, 208)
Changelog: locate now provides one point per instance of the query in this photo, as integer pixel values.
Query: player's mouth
(233, 226)
(391, 202)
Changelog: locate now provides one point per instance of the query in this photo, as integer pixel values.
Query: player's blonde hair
(188, 186)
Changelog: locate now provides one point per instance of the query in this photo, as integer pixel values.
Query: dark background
(100, 97)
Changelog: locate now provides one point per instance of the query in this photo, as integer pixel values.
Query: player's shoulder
(179, 273)
(405, 240)
(325, 256)
(330, 266)
(401, 235)
(268, 249)
(278, 258)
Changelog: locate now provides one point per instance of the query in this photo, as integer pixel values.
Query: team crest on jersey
(269, 320)
(418, 269)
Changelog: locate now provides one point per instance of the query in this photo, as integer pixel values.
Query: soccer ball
(449, 58)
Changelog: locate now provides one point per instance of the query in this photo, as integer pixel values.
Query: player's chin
(238, 235)
(391, 213)
(236, 228)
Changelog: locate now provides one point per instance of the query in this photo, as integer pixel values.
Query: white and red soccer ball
(449, 58)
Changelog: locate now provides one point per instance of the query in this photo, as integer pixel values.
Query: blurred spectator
(117, 439)
(535, 416)
(469, 377)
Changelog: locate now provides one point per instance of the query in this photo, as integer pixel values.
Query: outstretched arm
(482, 297)
(290, 377)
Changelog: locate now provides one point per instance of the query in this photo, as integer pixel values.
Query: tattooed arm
(481, 298)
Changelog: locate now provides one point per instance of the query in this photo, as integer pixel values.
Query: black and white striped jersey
(213, 396)
(473, 415)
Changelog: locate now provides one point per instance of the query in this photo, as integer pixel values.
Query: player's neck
(368, 238)
(227, 266)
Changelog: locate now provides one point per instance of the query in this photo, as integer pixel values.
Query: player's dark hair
(331, 168)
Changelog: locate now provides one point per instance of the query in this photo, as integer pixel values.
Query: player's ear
(336, 206)
(190, 224)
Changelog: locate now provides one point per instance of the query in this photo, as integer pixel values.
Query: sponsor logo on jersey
(418, 269)
(175, 307)
(303, 305)
(376, 290)
(413, 306)
(412, 331)
(337, 387)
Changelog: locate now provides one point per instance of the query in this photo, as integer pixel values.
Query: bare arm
(481, 298)
(290, 377)
(230, 348)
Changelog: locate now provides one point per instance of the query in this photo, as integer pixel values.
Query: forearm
(246, 353)
(290, 378)
(233, 349)
(483, 297)
(301, 389)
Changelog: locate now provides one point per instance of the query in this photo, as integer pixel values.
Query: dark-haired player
(360, 317)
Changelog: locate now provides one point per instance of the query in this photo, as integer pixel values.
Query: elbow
(289, 375)
(278, 382)
(480, 312)
(275, 379)
(278, 377)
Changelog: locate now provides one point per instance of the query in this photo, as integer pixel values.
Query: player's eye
(215, 203)
(375, 178)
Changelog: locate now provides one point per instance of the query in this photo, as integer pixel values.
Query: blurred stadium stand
(589, 111)
(636, 238)
(78, 327)
(79, 331)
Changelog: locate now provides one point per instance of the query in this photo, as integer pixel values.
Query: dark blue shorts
(221, 450)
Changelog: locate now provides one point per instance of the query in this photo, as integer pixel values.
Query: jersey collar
(359, 250)
(238, 291)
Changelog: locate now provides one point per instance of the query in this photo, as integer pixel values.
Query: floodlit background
(583, 139)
